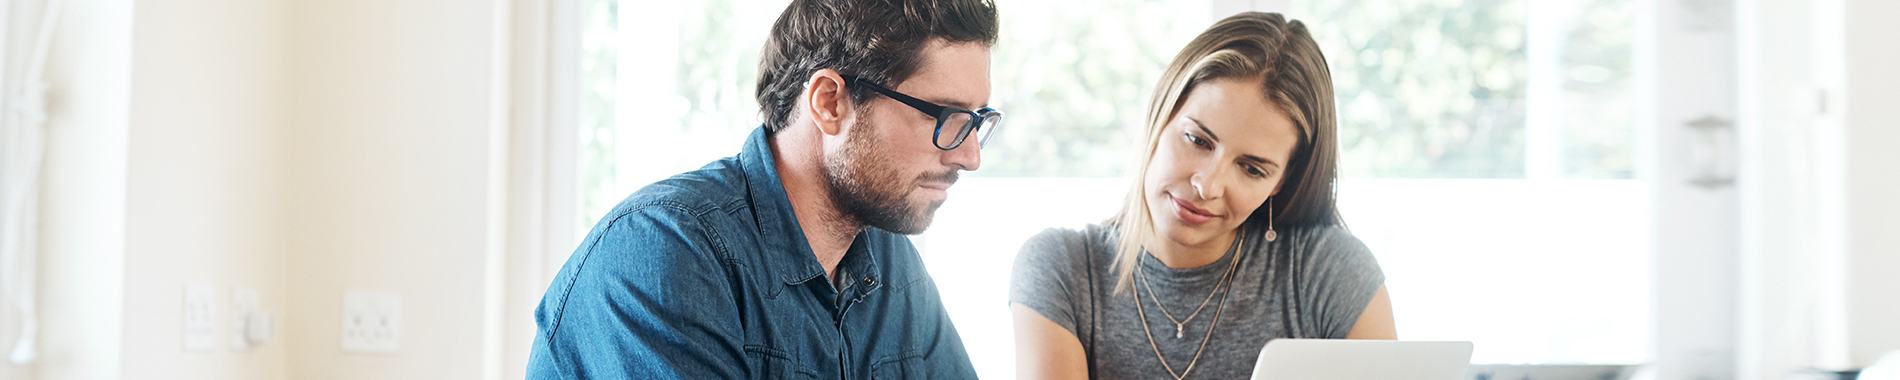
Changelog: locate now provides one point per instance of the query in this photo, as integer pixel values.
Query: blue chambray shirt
(706, 275)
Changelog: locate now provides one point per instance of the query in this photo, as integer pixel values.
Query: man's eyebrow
(952, 103)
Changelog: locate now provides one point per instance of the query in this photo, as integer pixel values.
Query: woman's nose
(1206, 182)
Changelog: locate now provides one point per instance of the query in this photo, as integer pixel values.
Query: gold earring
(1271, 235)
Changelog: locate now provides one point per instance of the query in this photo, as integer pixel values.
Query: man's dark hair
(875, 40)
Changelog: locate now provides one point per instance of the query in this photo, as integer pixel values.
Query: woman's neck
(1175, 255)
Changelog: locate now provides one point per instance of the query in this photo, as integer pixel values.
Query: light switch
(201, 326)
(372, 322)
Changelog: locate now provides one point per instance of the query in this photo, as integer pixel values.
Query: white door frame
(1685, 73)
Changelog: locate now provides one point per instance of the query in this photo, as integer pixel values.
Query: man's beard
(867, 189)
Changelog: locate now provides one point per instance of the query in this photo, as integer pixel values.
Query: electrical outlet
(372, 322)
(201, 328)
(250, 324)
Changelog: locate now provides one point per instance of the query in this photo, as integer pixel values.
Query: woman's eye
(1196, 140)
(1255, 172)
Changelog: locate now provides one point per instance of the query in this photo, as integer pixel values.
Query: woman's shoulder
(1066, 246)
(1323, 234)
(1322, 243)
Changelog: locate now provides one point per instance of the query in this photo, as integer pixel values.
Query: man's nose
(967, 156)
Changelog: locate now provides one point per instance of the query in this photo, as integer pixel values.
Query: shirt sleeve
(646, 298)
(1048, 277)
(1348, 277)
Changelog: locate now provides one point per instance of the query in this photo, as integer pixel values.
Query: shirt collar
(788, 255)
(794, 263)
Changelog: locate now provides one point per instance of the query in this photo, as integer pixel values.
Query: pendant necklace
(1226, 279)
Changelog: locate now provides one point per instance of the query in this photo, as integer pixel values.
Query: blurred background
(353, 189)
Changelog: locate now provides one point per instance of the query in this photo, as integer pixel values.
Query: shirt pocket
(908, 366)
(768, 363)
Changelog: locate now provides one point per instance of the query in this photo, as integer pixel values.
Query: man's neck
(828, 231)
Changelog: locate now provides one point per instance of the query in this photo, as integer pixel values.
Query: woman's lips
(1188, 213)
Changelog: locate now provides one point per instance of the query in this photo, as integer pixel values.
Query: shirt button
(869, 282)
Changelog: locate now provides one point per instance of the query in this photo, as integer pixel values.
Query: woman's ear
(828, 101)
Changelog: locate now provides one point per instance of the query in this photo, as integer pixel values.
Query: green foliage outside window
(1426, 88)
(1437, 88)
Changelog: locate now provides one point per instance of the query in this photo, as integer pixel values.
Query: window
(1075, 77)
(1487, 150)
(666, 94)
(1487, 156)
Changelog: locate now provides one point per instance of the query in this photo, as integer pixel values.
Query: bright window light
(1487, 150)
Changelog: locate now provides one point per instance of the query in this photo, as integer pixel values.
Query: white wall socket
(372, 322)
(250, 323)
(201, 327)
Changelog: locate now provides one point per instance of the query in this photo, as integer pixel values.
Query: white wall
(1683, 54)
(1819, 256)
(82, 233)
(1780, 242)
(1872, 139)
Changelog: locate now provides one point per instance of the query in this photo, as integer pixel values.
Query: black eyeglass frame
(942, 112)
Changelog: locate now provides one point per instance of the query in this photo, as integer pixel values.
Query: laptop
(1551, 372)
(1338, 359)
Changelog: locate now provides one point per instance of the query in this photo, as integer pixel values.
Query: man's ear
(828, 101)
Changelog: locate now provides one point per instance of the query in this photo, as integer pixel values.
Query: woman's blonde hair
(1283, 57)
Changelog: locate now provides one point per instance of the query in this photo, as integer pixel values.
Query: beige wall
(205, 182)
(302, 148)
(389, 130)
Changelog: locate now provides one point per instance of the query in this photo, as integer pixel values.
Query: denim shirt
(706, 275)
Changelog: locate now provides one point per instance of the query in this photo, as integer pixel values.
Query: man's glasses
(984, 121)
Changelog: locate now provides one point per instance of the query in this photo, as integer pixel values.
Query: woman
(1229, 237)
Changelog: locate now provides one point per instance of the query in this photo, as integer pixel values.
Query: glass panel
(1075, 76)
(1426, 88)
(1442, 88)
(1487, 149)
(674, 90)
(666, 94)
(1487, 146)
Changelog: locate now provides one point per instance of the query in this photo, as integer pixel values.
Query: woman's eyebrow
(1203, 127)
(1259, 160)
(1211, 136)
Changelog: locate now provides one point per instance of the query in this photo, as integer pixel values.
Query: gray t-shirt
(1310, 283)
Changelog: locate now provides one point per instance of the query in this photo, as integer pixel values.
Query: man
(786, 261)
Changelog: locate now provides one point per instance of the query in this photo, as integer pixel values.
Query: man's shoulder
(720, 184)
(683, 212)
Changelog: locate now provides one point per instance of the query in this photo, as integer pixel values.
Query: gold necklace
(1226, 278)
(1178, 324)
